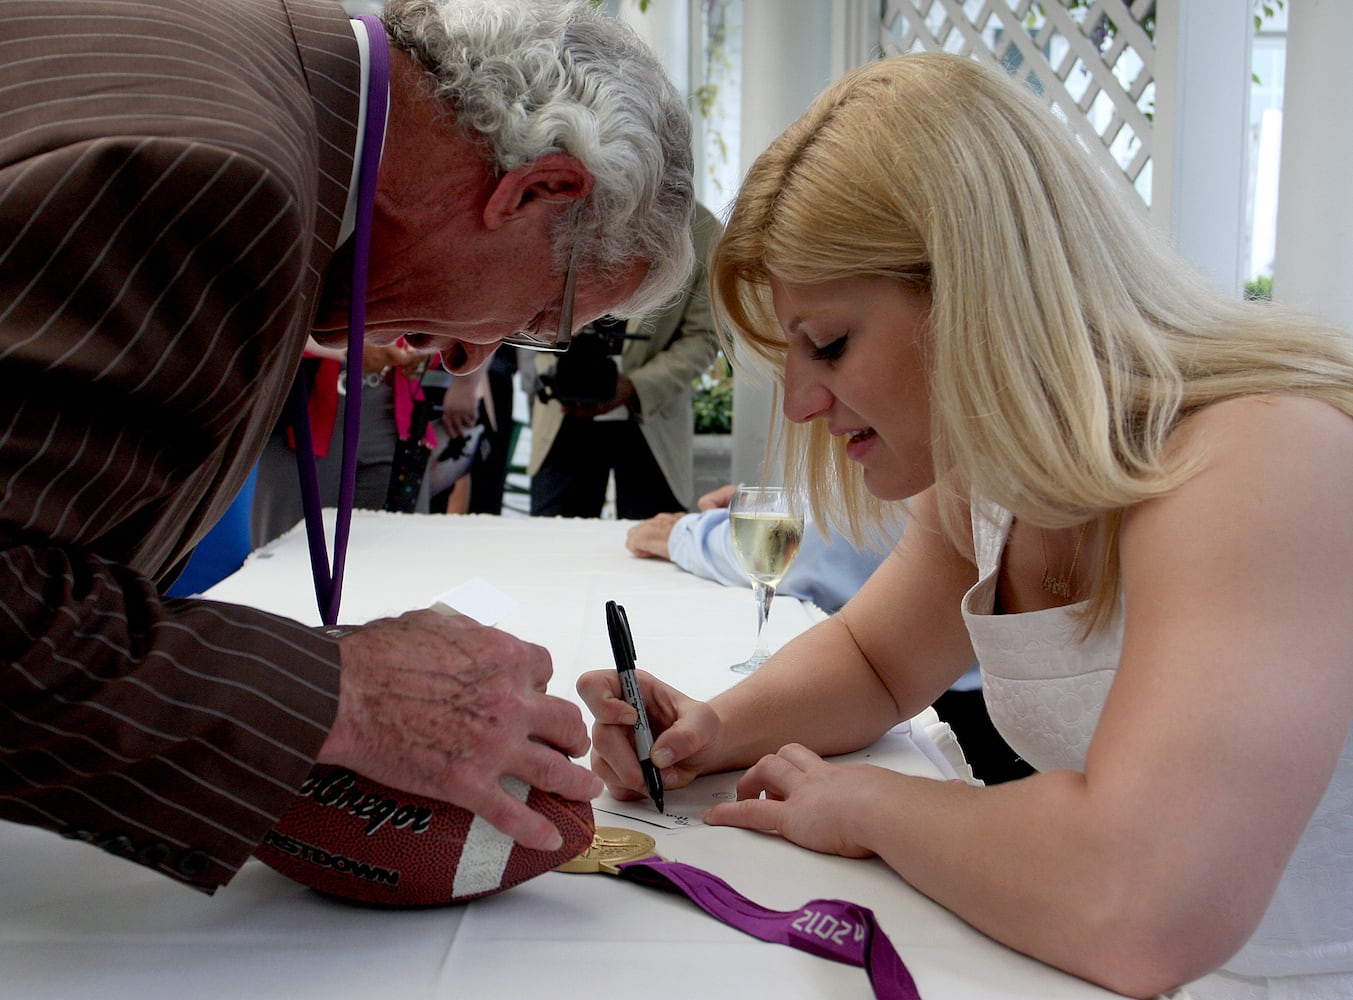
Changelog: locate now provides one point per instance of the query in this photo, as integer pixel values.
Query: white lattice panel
(1091, 59)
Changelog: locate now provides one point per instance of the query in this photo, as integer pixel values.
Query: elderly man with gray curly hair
(186, 190)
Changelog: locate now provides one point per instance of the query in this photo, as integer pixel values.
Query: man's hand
(715, 499)
(624, 395)
(648, 539)
(460, 403)
(444, 707)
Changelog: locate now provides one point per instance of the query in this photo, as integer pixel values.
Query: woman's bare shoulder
(1295, 450)
(1271, 414)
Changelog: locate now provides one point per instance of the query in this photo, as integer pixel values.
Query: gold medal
(611, 845)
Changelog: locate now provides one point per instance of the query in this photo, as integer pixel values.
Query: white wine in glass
(767, 530)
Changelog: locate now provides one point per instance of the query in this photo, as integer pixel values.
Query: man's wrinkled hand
(442, 706)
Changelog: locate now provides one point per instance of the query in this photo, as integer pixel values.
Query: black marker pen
(622, 646)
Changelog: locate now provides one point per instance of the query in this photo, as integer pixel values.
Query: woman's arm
(837, 687)
(890, 652)
(1231, 704)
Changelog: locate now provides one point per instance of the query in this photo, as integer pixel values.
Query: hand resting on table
(802, 791)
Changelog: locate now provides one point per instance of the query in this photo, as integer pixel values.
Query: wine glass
(767, 529)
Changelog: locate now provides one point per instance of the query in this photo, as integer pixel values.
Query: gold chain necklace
(1060, 586)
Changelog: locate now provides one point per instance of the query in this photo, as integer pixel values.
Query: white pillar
(786, 62)
(1200, 149)
(1313, 268)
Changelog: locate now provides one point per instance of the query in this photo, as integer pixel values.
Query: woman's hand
(806, 800)
(379, 358)
(684, 733)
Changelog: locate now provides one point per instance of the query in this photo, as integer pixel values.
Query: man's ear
(545, 183)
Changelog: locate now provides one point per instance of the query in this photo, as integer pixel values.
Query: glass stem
(764, 593)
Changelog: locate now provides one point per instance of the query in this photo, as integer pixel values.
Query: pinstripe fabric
(172, 178)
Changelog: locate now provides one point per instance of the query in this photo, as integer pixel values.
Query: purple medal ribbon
(329, 585)
(828, 928)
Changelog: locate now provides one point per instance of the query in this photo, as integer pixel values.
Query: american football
(349, 836)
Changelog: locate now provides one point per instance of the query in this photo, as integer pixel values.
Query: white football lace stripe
(483, 857)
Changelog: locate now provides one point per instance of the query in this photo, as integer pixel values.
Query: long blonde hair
(1067, 340)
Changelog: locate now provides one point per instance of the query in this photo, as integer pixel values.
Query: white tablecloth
(77, 923)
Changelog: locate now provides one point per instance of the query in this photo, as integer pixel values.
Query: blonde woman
(1130, 503)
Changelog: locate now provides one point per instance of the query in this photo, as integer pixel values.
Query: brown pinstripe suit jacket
(172, 179)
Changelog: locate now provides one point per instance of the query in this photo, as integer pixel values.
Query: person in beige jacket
(644, 433)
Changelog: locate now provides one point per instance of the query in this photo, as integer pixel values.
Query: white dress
(1045, 691)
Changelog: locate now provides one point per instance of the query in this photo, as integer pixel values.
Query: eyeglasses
(534, 340)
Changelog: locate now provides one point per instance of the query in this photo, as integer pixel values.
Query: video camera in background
(586, 372)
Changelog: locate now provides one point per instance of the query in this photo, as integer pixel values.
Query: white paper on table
(899, 749)
(478, 599)
(682, 807)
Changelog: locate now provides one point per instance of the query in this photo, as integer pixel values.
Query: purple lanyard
(828, 928)
(329, 585)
